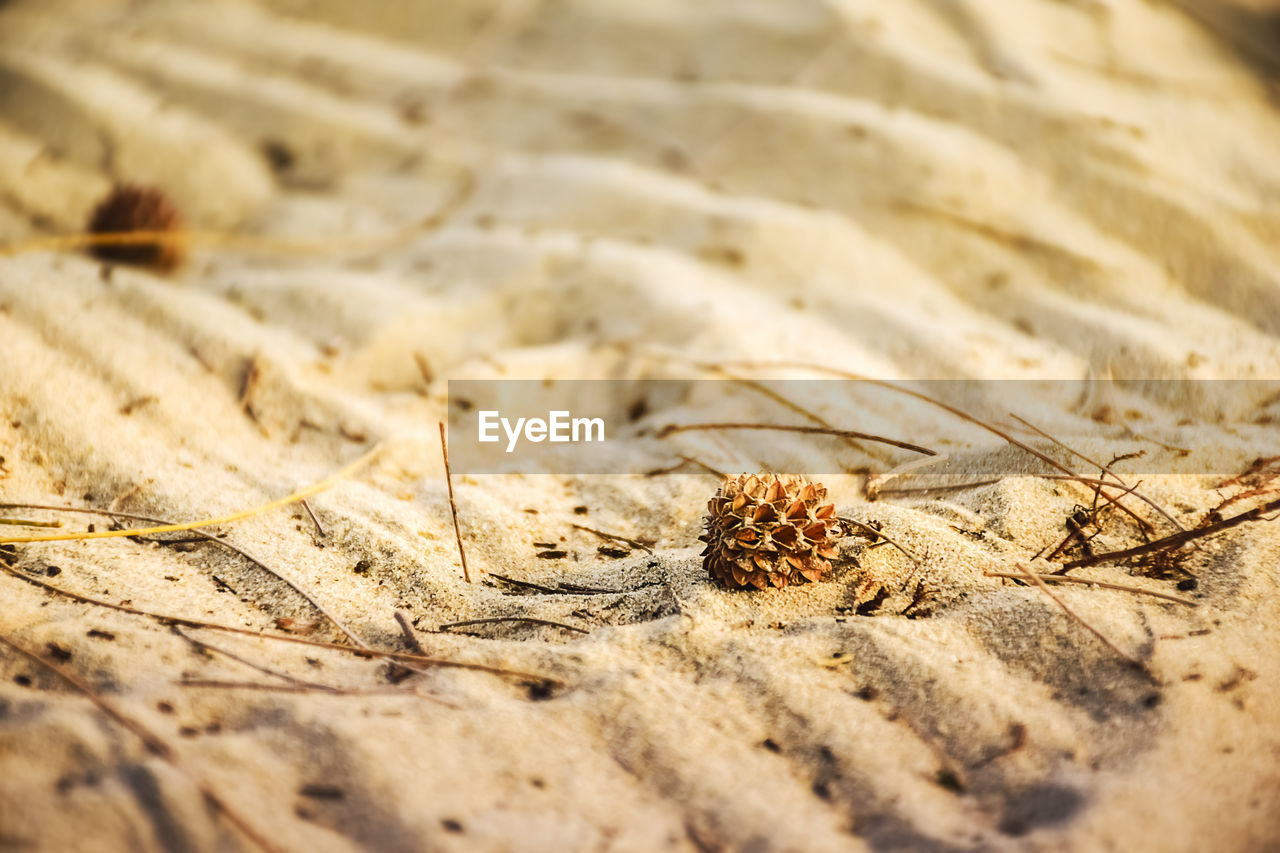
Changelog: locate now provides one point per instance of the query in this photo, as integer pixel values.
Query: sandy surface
(905, 190)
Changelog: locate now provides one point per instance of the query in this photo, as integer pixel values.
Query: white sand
(907, 190)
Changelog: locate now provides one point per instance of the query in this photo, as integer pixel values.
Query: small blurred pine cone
(766, 530)
(129, 207)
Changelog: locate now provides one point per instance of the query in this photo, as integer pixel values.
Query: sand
(915, 190)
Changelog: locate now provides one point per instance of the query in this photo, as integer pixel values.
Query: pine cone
(768, 530)
(135, 208)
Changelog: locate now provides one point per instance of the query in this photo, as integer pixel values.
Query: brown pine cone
(767, 530)
(135, 208)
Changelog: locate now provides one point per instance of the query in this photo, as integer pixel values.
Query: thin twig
(1075, 531)
(1101, 584)
(453, 506)
(1257, 467)
(1256, 481)
(410, 635)
(297, 685)
(686, 461)
(297, 688)
(1266, 489)
(875, 483)
(880, 534)
(186, 540)
(563, 589)
(693, 460)
(574, 589)
(941, 487)
(615, 537)
(495, 619)
(407, 629)
(670, 429)
(152, 741)
(319, 527)
(210, 647)
(424, 368)
(1075, 527)
(670, 469)
(155, 744)
(1073, 478)
(526, 584)
(1113, 500)
(782, 400)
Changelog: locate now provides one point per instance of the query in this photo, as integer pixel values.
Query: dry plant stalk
(494, 620)
(671, 429)
(453, 506)
(1119, 587)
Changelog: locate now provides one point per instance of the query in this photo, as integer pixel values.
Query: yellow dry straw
(302, 494)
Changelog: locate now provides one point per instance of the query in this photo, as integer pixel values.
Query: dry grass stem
(453, 505)
(306, 504)
(671, 429)
(496, 619)
(1100, 584)
(615, 538)
(877, 533)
